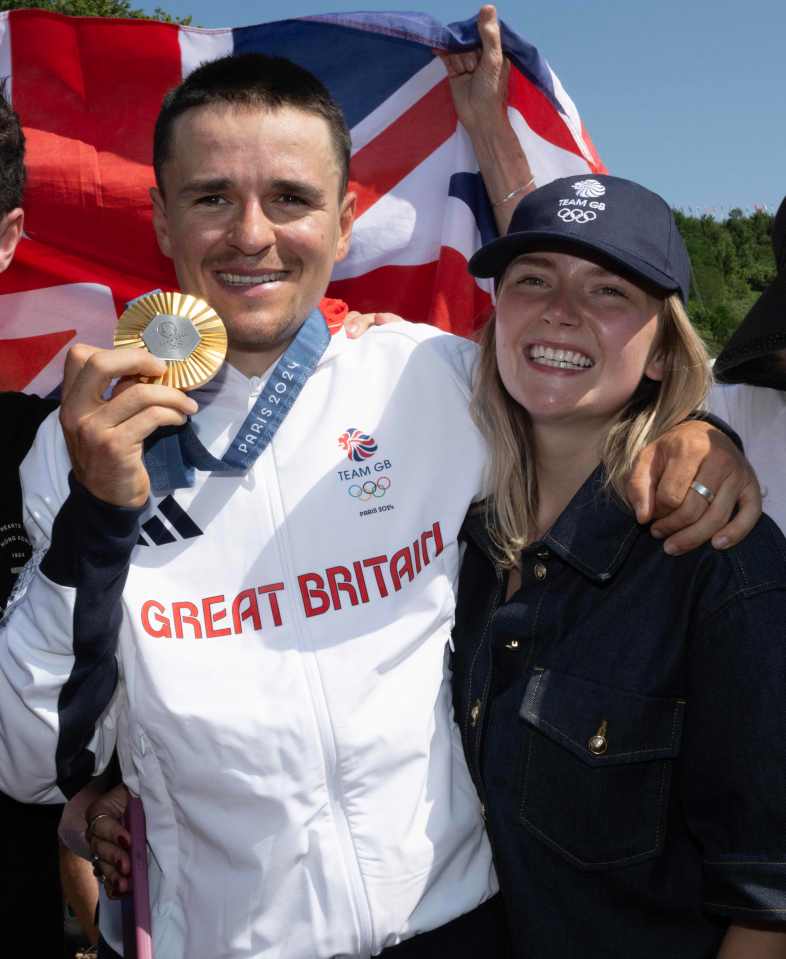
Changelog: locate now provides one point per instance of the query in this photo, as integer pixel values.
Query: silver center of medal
(170, 337)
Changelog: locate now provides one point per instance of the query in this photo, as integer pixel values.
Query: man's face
(252, 218)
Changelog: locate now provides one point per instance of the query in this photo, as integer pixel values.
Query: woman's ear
(655, 366)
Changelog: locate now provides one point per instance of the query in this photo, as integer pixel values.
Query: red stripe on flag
(88, 91)
(37, 266)
(458, 305)
(441, 293)
(598, 166)
(540, 113)
(23, 359)
(392, 155)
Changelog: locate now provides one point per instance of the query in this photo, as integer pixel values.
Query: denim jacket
(624, 721)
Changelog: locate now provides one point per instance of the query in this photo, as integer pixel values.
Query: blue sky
(686, 96)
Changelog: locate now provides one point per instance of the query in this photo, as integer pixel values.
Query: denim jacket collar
(594, 533)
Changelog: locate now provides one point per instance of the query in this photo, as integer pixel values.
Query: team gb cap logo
(589, 188)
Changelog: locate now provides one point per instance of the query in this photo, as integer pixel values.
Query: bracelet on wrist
(519, 190)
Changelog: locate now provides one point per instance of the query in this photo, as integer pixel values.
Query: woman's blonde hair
(512, 506)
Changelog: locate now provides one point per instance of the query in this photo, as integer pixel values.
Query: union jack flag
(88, 91)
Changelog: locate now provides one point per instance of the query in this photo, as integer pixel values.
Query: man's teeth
(244, 279)
(560, 359)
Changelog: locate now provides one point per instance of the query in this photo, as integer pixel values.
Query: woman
(621, 711)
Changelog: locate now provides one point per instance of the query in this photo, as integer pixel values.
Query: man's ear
(346, 218)
(160, 222)
(10, 235)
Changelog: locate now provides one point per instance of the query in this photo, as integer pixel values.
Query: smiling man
(252, 206)
(255, 610)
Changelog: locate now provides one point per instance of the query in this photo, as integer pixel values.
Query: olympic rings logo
(369, 489)
(577, 216)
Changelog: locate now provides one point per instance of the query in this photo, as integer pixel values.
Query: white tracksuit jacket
(280, 700)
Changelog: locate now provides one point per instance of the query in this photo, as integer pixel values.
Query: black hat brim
(761, 332)
(493, 259)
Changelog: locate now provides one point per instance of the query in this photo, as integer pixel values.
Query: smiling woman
(591, 355)
(597, 682)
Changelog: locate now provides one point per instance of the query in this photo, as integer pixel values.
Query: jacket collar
(594, 533)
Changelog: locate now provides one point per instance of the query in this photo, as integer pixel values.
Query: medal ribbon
(172, 456)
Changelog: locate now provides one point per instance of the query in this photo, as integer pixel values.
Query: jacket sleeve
(734, 762)
(58, 671)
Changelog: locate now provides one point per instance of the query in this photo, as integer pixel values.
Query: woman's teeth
(560, 359)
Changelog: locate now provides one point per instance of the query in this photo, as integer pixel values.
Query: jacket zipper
(357, 892)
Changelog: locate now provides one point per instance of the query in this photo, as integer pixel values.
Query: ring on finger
(90, 831)
(97, 872)
(703, 490)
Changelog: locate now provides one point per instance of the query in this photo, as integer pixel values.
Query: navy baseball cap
(628, 226)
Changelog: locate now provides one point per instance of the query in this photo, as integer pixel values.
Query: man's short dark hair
(251, 79)
(12, 156)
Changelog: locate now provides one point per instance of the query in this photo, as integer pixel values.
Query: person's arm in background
(479, 85)
(751, 942)
(80, 891)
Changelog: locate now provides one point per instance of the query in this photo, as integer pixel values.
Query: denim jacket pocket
(596, 768)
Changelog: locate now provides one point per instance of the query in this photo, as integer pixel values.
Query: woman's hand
(479, 78)
(356, 324)
(479, 86)
(110, 841)
(659, 488)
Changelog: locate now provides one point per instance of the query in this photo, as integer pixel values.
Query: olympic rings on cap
(577, 216)
(369, 489)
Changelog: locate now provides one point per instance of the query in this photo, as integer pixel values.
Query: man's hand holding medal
(166, 343)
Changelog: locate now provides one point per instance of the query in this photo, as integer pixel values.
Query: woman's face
(573, 339)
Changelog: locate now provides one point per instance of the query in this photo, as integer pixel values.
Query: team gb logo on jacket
(359, 445)
(366, 480)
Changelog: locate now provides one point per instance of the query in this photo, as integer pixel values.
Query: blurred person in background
(751, 390)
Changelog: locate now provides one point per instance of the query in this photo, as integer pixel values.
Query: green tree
(93, 8)
(732, 263)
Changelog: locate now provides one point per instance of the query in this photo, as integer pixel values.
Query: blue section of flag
(329, 51)
(469, 188)
(421, 29)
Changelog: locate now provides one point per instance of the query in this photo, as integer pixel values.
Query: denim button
(474, 713)
(598, 744)
(540, 571)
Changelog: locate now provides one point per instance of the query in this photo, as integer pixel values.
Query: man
(263, 643)
(29, 860)
(29, 878)
(751, 370)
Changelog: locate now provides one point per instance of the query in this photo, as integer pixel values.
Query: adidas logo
(177, 521)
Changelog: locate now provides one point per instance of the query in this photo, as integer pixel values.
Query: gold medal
(178, 328)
